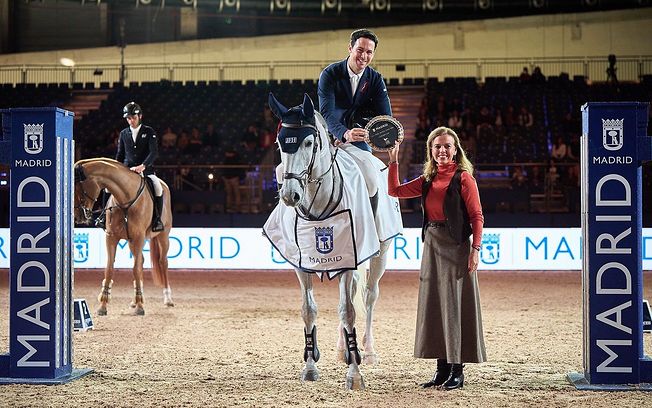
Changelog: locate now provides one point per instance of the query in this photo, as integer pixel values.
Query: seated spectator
(509, 118)
(525, 118)
(210, 136)
(250, 136)
(559, 151)
(484, 121)
(232, 176)
(267, 139)
(455, 120)
(195, 143)
(169, 139)
(185, 180)
(182, 142)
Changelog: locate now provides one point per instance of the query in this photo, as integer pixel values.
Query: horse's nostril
(296, 197)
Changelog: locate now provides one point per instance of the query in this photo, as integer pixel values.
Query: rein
(80, 176)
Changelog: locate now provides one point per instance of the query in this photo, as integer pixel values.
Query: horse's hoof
(132, 305)
(139, 311)
(370, 358)
(101, 311)
(169, 304)
(309, 375)
(355, 382)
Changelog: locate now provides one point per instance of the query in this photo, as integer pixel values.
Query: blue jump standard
(582, 384)
(75, 374)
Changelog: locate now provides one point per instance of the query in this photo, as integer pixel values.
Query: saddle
(150, 189)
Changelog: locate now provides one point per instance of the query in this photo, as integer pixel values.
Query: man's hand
(355, 135)
(138, 169)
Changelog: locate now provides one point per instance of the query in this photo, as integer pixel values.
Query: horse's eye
(308, 143)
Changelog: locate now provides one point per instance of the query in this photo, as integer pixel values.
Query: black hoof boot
(311, 345)
(351, 353)
(441, 375)
(456, 379)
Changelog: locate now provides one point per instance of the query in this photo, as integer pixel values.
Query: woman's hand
(393, 153)
(473, 260)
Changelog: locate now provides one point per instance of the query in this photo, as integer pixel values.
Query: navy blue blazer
(143, 151)
(337, 104)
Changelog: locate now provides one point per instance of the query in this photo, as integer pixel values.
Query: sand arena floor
(234, 339)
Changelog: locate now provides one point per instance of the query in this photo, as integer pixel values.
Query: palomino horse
(128, 216)
(312, 194)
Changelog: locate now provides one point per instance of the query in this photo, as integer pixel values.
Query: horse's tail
(359, 288)
(155, 256)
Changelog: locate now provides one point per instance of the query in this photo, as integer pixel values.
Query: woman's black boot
(456, 379)
(441, 375)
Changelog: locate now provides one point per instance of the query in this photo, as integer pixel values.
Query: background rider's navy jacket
(143, 151)
(337, 104)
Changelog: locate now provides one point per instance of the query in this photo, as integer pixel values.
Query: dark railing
(630, 68)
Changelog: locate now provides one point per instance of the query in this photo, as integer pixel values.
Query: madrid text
(33, 277)
(612, 250)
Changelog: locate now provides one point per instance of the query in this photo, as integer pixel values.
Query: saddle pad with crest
(303, 243)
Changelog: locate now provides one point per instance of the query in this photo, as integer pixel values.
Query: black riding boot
(374, 203)
(456, 379)
(100, 221)
(157, 225)
(441, 375)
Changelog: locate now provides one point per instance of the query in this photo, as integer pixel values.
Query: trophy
(383, 133)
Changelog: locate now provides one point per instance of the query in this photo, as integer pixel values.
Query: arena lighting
(67, 62)
(210, 176)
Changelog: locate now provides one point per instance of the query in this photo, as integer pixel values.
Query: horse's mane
(114, 164)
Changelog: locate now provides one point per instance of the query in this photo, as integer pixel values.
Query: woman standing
(449, 321)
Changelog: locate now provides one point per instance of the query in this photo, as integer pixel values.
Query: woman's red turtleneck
(435, 198)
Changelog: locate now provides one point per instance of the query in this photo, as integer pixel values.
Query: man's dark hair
(364, 33)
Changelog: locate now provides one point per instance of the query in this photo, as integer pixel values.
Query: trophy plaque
(383, 133)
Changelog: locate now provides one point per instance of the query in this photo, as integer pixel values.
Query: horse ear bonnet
(290, 138)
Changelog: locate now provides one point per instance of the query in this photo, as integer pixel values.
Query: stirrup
(311, 345)
(157, 226)
(100, 222)
(351, 353)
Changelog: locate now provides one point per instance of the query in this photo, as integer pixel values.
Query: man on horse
(350, 93)
(137, 149)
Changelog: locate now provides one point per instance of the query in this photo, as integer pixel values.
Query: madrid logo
(33, 138)
(80, 247)
(612, 133)
(490, 253)
(324, 239)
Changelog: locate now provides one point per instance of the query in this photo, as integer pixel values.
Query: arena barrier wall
(245, 248)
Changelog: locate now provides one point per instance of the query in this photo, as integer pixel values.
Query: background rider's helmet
(131, 109)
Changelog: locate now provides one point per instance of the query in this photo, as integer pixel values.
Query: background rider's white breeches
(158, 189)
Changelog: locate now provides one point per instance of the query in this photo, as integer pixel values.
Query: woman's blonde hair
(430, 166)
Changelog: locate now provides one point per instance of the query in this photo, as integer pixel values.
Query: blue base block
(76, 373)
(580, 382)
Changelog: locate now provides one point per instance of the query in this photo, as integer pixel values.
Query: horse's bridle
(305, 176)
(80, 177)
